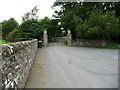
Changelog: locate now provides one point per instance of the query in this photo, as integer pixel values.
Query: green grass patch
(109, 46)
(4, 42)
(50, 42)
(60, 38)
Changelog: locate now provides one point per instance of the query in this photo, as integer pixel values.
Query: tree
(100, 26)
(32, 15)
(44, 23)
(0, 30)
(30, 27)
(65, 16)
(71, 10)
(51, 25)
(8, 26)
(95, 20)
(53, 29)
(117, 9)
(15, 33)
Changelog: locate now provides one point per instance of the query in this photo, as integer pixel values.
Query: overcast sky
(17, 8)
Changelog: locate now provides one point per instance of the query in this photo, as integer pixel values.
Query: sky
(17, 8)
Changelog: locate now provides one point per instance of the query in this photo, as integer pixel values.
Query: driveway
(74, 67)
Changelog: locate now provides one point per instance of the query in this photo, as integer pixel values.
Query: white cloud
(17, 8)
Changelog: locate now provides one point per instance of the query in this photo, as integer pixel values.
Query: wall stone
(15, 62)
(89, 43)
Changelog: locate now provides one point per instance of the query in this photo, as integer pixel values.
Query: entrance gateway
(69, 38)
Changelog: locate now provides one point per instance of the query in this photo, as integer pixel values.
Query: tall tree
(75, 16)
(30, 27)
(31, 15)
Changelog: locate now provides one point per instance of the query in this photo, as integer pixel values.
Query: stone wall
(15, 62)
(89, 43)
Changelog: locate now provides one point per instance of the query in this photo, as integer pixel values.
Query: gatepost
(69, 38)
(45, 38)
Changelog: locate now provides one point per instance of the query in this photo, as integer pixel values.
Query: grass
(50, 42)
(4, 42)
(60, 38)
(109, 46)
(57, 39)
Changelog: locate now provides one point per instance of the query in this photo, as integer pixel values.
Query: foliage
(70, 12)
(0, 30)
(31, 15)
(8, 26)
(44, 23)
(99, 26)
(15, 33)
(30, 29)
(51, 25)
(95, 20)
(109, 46)
(5, 42)
(53, 29)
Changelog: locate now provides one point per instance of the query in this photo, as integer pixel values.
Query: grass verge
(4, 42)
(109, 46)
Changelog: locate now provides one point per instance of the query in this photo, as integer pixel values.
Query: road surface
(74, 67)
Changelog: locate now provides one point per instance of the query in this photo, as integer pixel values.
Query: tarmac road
(74, 67)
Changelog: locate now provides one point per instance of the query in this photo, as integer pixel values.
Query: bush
(15, 33)
(100, 26)
(31, 29)
(8, 26)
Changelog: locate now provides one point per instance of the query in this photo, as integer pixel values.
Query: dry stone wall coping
(15, 62)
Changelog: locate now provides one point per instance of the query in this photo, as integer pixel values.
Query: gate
(58, 41)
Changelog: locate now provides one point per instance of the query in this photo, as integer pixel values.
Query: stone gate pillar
(45, 38)
(69, 38)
